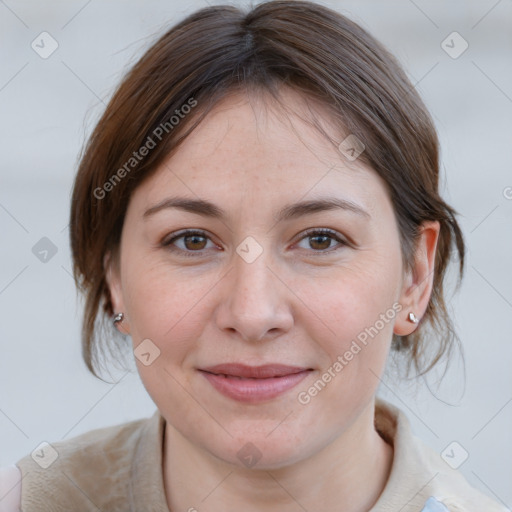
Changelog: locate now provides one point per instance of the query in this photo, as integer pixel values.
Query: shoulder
(10, 489)
(84, 472)
(421, 473)
(452, 488)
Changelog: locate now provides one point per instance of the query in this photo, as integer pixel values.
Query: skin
(301, 302)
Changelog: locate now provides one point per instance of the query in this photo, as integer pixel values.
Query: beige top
(119, 468)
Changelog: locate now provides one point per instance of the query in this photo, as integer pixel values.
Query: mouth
(254, 384)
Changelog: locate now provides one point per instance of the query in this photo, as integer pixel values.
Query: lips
(254, 372)
(254, 383)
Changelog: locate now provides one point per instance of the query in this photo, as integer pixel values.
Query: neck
(349, 474)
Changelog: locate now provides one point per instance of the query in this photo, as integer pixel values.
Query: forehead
(248, 145)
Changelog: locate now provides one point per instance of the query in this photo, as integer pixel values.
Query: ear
(417, 283)
(113, 277)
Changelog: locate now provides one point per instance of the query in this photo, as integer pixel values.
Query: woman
(258, 212)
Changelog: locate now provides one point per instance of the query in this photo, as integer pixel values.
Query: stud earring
(413, 318)
(118, 318)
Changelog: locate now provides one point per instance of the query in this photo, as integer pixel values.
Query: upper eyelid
(186, 232)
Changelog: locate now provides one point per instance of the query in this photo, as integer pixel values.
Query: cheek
(354, 298)
(357, 307)
(165, 305)
(354, 357)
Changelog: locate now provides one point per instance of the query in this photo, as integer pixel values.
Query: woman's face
(260, 283)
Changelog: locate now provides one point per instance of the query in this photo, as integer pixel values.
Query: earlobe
(417, 286)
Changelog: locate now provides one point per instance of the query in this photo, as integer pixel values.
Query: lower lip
(254, 390)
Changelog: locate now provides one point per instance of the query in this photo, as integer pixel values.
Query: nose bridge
(251, 276)
(253, 303)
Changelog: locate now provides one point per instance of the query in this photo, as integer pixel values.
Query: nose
(254, 301)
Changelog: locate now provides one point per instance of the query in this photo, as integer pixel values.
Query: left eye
(320, 240)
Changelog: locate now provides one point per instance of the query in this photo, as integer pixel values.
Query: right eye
(193, 241)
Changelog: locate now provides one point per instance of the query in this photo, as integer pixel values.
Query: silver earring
(118, 318)
(413, 318)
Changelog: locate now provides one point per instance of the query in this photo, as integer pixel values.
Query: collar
(146, 475)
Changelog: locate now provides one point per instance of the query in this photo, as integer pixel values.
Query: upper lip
(266, 371)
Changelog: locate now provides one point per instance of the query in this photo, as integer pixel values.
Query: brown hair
(210, 54)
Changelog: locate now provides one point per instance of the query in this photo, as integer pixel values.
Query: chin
(263, 451)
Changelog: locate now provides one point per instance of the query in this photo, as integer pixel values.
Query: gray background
(47, 108)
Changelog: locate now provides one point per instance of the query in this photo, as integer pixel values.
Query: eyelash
(308, 233)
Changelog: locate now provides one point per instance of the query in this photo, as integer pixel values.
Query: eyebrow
(289, 212)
